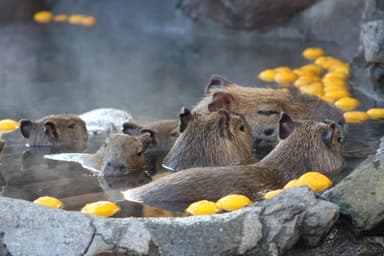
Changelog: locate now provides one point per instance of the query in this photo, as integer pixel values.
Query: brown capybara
(122, 154)
(304, 146)
(262, 107)
(210, 139)
(164, 134)
(63, 130)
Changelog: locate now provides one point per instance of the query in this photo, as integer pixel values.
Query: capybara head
(262, 107)
(123, 154)
(307, 145)
(210, 139)
(164, 134)
(67, 131)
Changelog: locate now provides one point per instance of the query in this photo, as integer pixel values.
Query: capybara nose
(114, 168)
(268, 131)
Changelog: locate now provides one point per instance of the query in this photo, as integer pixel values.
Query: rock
(30, 229)
(341, 241)
(360, 195)
(372, 35)
(267, 228)
(248, 14)
(105, 119)
(296, 213)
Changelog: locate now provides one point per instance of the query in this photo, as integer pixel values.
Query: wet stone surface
(268, 228)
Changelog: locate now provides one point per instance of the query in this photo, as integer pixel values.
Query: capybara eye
(140, 153)
(242, 128)
(71, 126)
(340, 140)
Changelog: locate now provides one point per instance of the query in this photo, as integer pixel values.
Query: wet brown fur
(121, 154)
(262, 106)
(303, 150)
(164, 134)
(211, 139)
(63, 130)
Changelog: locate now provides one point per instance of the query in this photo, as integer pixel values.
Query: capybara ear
(217, 81)
(328, 135)
(225, 117)
(286, 126)
(51, 132)
(220, 100)
(146, 140)
(184, 117)
(26, 127)
(131, 128)
(151, 133)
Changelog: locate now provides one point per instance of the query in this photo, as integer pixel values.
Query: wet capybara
(164, 134)
(63, 130)
(262, 107)
(122, 154)
(304, 146)
(210, 139)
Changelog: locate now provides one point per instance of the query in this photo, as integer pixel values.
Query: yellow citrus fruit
(342, 69)
(336, 94)
(49, 201)
(60, 18)
(233, 202)
(347, 103)
(316, 181)
(76, 19)
(294, 183)
(282, 69)
(272, 193)
(334, 87)
(327, 99)
(313, 89)
(8, 125)
(89, 21)
(336, 74)
(303, 72)
(313, 53)
(313, 68)
(43, 17)
(332, 81)
(355, 116)
(101, 208)
(285, 77)
(306, 80)
(203, 207)
(267, 75)
(376, 113)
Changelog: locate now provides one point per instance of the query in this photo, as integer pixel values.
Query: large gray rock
(268, 228)
(360, 195)
(372, 35)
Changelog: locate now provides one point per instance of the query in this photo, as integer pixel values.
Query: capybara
(304, 146)
(262, 107)
(163, 133)
(210, 139)
(122, 154)
(63, 130)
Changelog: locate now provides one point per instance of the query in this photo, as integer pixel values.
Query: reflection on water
(140, 57)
